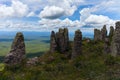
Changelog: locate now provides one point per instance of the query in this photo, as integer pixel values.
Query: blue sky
(47, 15)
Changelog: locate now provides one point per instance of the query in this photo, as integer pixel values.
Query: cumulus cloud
(88, 18)
(61, 8)
(31, 14)
(51, 12)
(16, 9)
(57, 23)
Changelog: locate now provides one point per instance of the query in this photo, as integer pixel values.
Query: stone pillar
(115, 45)
(17, 52)
(97, 35)
(60, 41)
(77, 44)
(104, 33)
(53, 44)
(111, 33)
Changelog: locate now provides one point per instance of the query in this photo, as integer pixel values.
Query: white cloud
(88, 18)
(31, 14)
(55, 24)
(97, 19)
(17, 9)
(63, 8)
(51, 12)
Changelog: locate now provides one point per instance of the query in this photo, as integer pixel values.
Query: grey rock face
(107, 46)
(111, 33)
(53, 44)
(97, 35)
(115, 45)
(77, 44)
(100, 35)
(63, 40)
(104, 33)
(17, 52)
(32, 61)
(59, 41)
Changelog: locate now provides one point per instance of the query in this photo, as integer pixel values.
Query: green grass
(33, 48)
(2, 66)
(92, 64)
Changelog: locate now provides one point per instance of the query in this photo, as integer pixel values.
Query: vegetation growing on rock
(97, 61)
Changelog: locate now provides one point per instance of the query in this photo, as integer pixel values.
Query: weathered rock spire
(77, 44)
(115, 45)
(100, 35)
(59, 41)
(53, 43)
(111, 33)
(17, 52)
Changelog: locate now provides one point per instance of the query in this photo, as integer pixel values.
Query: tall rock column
(66, 39)
(97, 35)
(77, 44)
(115, 45)
(59, 41)
(104, 33)
(53, 44)
(62, 40)
(17, 52)
(111, 33)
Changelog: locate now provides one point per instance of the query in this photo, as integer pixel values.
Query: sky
(47, 15)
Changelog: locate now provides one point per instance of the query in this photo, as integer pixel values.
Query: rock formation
(32, 61)
(100, 35)
(53, 44)
(63, 40)
(107, 46)
(77, 44)
(111, 33)
(115, 45)
(104, 33)
(97, 35)
(17, 52)
(59, 41)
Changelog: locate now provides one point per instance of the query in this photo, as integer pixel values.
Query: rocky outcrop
(59, 41)
(77, 44)
(97, 35)
(32, 61)
(17, 52)
(53, 44)
(111, 33)
(63, 40)
(104, 33)
(115, 45)
(100, 35)
(107, 49)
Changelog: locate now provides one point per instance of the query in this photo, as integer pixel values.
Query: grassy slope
(93, 64)
(33, 47)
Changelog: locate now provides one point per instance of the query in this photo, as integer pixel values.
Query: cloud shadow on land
(1, 59)
(31, 55)
(46, 41)
(10, 40)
